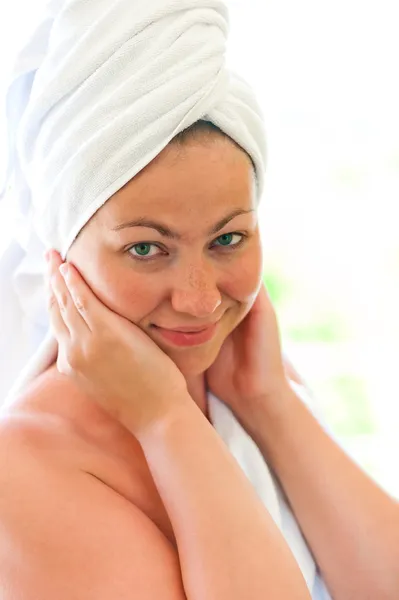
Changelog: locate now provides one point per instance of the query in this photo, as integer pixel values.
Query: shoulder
(53, 407)
(55, 423)
(41, 419)
(51, 393)
(64, 521)
(33, 435)
(71, 502)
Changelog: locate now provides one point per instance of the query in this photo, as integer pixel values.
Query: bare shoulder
(54, 412)
(57, 421)
(65, 534)
(54, 398)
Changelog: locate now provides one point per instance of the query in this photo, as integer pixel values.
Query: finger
(74, 321)
(58, 327)
(86, 302)
(68, 310)
(53, 261)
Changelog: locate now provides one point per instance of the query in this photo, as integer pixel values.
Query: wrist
(178, 414)
(271, 411)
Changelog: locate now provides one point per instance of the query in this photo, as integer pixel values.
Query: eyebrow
(169, 233)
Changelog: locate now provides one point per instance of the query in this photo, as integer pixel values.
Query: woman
(141, 496)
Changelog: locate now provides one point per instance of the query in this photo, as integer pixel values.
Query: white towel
(115, 81)
(100, 88)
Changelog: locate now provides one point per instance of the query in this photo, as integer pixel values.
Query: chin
(194, 361)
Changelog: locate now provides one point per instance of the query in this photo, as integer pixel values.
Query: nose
(195, 292)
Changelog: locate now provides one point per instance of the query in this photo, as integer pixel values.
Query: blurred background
(326, 78)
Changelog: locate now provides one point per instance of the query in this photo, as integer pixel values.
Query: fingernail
(64, 270)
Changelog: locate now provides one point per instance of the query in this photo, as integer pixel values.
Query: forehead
(197, 180)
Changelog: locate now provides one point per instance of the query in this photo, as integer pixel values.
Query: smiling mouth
(186, 329)
(186, 338)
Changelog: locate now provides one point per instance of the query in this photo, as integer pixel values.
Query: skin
(192, 281)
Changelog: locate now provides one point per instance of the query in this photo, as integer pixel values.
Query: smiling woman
(114, 394)
(143, 428)
(121, 363)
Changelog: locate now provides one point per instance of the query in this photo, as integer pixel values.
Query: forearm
(229, 547)
(351, 525)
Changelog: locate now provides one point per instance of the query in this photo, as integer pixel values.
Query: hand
(249, 371)
(111, 358)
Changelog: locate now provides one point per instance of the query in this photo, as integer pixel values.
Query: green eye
(142, 249)
(225, 239)
(147, 251)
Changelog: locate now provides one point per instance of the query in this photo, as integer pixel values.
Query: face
(179, 246)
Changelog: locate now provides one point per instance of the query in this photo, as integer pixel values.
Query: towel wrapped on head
(118, 80)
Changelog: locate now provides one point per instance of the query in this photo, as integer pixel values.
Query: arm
(229, 546)
(65, 535)
(351, 525)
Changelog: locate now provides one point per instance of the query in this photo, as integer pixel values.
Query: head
(203, 262)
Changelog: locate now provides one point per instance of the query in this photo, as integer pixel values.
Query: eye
(143, 250)
(226, 238)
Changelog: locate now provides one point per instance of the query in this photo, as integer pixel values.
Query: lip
(192, 329)
(184, 338)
